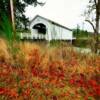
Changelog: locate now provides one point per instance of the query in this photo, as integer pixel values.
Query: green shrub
(83, 43)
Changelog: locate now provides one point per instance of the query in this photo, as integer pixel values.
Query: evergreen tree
(19, 9)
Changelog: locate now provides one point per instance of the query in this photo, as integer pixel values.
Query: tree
(94, 8)
(25, 22)
(19, 9)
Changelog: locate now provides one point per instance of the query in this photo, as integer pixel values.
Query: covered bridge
(43, 28)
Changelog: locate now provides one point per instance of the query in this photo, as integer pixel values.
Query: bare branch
(91, 25)
(95, 2)
(41, 3)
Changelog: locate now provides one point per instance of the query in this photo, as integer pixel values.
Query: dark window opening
(40, 27)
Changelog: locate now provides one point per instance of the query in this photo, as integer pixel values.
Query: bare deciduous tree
(94, 8)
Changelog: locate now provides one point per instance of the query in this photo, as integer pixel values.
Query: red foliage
(21, 81)
(2, 91)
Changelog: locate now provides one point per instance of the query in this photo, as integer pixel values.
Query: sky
(65, 12)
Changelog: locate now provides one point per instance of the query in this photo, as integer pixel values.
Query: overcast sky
(65, 12)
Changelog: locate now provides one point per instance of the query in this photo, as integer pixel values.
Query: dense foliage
(19, 9)
(80, 33)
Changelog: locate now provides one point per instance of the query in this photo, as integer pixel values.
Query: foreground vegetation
(40, 72)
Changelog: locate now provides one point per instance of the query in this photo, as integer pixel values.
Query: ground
(38, 71)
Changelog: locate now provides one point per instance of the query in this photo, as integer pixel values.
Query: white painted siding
(66, 35)
(60, 33)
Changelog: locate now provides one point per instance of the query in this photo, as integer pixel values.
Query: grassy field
(40, 71)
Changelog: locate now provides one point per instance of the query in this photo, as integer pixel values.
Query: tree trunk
(12, 17)
(97, 26)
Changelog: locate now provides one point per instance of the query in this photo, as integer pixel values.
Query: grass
(6, 28)
(42, 72)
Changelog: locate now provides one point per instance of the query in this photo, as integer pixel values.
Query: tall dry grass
(62, 52)
(4, 53)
